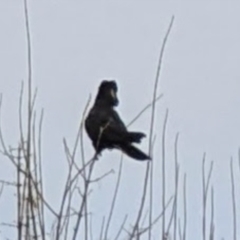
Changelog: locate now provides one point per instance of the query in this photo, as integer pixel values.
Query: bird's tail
(134, 152)
(135, 136)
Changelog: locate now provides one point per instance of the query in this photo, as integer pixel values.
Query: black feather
(134, 152)
(106, 129)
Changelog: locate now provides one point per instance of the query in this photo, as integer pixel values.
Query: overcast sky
(76, 44)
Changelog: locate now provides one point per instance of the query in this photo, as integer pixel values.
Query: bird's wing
(113, 129)
(106, 125)
(117, 120)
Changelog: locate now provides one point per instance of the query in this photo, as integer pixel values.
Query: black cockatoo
(106, 129)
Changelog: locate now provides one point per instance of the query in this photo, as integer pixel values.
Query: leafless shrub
(73, 221)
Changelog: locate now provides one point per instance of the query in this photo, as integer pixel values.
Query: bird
(105, 127)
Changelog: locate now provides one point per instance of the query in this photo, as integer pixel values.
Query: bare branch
(82, 206)
(163, 172)
(121, 228)
(102, 229)
(114, 198)
(185, 207)
(1, 189)
(151, 138)
(211, 235)
(157, 218)
(233, 201)
(176, 186)
(179, 229)
(144, 109)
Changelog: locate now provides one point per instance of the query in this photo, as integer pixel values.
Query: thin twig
(67, 219)
(233, 201)
(179, 229)
(102, 229)
(209, 177)
(163, 171)
(150, 139)
(141, 205)
(91, 231)
(20, 119)
(176, 187)
(204, 199)
(239, 158)
(153, 119)
(1, 189)
(82, 206)
(19, 223)
(120, 168)
(121, 228)
(185, 207)
(35, 171)
(157, 218)
(67, 188)
(205, 192)
(211, 235)
(70, 180)
(28, 159)
(83, 163)
(40, 171)
(102, 177)
(114, 198)
(144, 109)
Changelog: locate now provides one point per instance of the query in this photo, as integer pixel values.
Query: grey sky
(76, 44)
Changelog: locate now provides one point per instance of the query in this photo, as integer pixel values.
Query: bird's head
(107, 93)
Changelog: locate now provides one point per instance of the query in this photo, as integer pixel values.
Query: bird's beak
(114, 96)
